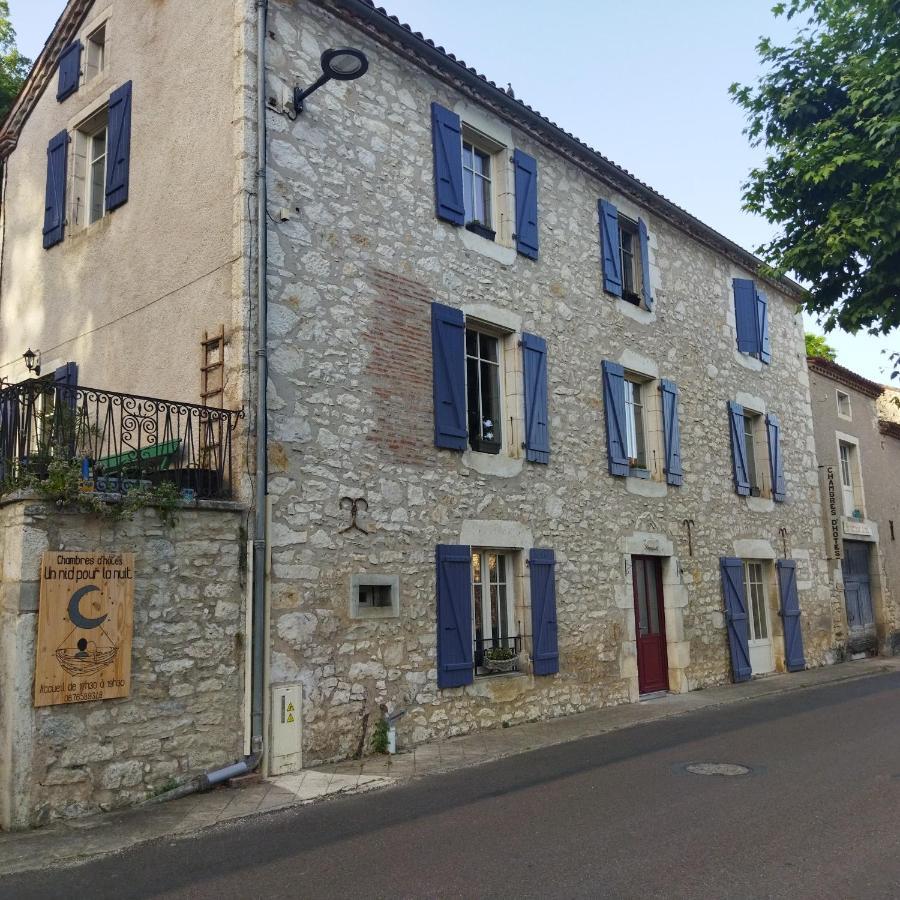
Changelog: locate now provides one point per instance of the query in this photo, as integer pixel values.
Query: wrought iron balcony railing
(121, 440)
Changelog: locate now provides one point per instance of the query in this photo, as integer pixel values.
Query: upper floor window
(843, 405)
(635, 441)
(751, 314)
(752, 436)
(90, 169)
(625, 251)
(850, 479)
(478, 185)
(483, 391)
(477, 188)
(96, 53)
(756, 453)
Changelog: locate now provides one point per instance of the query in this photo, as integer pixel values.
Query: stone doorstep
(71, 843)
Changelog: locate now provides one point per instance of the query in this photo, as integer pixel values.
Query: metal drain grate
(726, 769)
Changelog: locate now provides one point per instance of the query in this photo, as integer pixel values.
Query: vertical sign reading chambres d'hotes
(85, 625)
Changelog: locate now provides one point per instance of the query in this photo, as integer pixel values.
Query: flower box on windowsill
(480, 446)
(501, 662)
(631, 297)
(635, 471)
(755, 492)
(482, 230)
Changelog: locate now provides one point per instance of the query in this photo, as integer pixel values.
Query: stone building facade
(359, 278)
(859, 458)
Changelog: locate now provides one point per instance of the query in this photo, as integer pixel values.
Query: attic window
(96, 53)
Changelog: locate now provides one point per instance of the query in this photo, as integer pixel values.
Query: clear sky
(645, 84)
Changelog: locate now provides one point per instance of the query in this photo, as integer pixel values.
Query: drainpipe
(262, 377)
(210, 779)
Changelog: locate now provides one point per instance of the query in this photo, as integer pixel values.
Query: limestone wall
(184, 713)
(352, 273)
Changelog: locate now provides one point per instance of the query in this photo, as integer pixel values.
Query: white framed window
(851, 479)
(89, 168)
(756, 447)
(630, 257)
(95, 53)
(635, 435)
(477, 190)
(374, 596)
(843, 405)
(494, 628)
(484, 388)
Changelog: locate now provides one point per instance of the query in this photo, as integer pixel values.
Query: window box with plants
(500, 659)
(481, 229)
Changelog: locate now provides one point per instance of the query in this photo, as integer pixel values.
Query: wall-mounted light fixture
(344, 64)
(32, 361)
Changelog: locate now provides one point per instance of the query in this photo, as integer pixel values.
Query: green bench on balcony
(152, 458)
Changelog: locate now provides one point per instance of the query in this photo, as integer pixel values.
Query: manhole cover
(717, 769)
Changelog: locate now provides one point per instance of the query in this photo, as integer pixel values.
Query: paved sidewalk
(74, 841)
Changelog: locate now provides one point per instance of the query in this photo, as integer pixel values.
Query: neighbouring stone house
(524, 412)
(859, 458)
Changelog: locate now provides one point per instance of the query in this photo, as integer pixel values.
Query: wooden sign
(833, 545)
(85, 626)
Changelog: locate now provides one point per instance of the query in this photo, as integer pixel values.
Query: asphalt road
(612, 816)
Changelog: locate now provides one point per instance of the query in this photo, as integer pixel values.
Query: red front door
(650, 624)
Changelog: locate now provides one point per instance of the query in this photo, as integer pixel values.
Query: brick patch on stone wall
(399, 367)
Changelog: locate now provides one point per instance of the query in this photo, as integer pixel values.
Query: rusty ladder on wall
(212, 383)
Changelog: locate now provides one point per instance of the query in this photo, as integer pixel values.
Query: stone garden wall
(184, 712)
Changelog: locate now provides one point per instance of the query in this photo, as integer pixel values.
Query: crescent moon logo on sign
(75, 616)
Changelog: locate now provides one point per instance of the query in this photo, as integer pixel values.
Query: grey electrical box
(287, 729)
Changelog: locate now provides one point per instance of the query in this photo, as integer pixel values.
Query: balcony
(121, 441)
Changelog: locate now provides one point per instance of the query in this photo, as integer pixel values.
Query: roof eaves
(41, 72)
(844, 376)
(388, 29)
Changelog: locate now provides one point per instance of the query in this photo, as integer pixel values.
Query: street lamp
(32, 361)
(343, 64)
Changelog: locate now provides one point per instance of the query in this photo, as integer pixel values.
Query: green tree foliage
(816, 345)
(13, 66)
(827, 111)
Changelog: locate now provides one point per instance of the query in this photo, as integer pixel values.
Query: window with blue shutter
(446, 139)
(448, 330)
(763, 348)
(609, 248)
(644, 237)
(55, 199)
(745, 315)
(790, 615)
(537, 424)
(738, 448)
(118, 160)
(671, 431)
(736, 620)
(776, 462)
(455, 659)
(614, 410)
(526, 204)
(544, 637)
(69, 71)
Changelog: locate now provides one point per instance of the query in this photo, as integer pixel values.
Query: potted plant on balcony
(500, 659)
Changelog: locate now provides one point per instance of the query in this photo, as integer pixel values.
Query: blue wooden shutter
(790, 615)
(764, 349)
(446, 140)
(609, 247)
(448, 350)
(455, 662)
(645, 264)
(69, 71)
(55, 199)
(544, 639)
(671, 431)
(118, 146)
(537, 422)
(738, 450)
(614, 408)
(9, 427)
(526, 204)
(736, 619)
(776, 461)
(745, 315)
